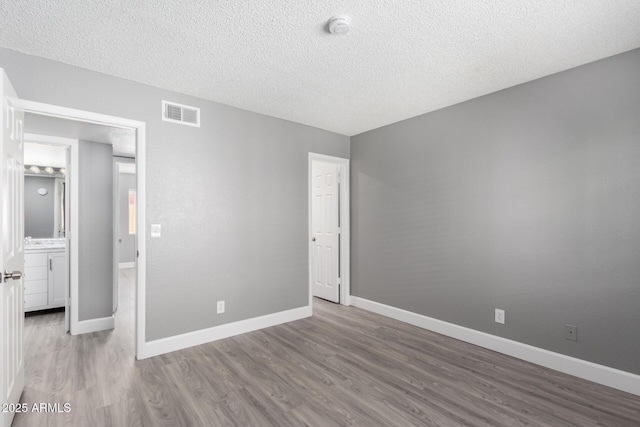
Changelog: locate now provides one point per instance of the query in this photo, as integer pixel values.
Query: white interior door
(325, 229)
(12, 237)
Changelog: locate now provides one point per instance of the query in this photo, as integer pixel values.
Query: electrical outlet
(571, 332)
(499, 316)
(220, 307)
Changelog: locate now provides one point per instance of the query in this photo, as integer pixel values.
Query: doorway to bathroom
(100, 144)
(46, 221)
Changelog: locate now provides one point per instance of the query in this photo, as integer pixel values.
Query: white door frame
(345, 223)
(140, 129)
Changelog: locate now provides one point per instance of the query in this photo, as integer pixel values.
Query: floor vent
(178, 113)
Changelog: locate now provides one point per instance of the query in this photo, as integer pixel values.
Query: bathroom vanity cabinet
(44, 279)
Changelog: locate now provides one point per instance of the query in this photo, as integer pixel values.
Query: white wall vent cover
(178, 113)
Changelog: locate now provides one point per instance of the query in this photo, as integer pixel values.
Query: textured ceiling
(401, 58)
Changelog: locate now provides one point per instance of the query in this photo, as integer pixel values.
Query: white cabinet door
(57, 278)
(36, 282)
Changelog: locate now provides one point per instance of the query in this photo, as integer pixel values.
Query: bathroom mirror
(44, 190)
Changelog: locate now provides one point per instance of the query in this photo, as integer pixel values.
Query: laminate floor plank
(381, 385)
(341, 367)
(258, 376)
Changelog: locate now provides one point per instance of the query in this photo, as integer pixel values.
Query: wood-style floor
(343, 366)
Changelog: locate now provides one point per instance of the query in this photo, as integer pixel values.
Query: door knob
(14, 275)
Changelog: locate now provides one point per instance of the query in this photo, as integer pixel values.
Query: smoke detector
(339, 24)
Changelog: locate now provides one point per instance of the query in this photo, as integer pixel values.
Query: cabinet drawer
(35, 260)
(35, 273)
(35, 300)
(35, 286)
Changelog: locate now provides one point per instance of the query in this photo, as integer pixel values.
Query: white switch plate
(220, 307)
(156, 230)
(499, 316)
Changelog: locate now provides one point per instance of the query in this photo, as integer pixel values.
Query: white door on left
(12, 260)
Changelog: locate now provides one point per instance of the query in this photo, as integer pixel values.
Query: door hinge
(339, 230)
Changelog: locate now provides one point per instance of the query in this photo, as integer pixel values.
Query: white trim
(115, 217)
(190, 339)
(345, 223)
(127, 265)
(141, 240)
(95, 325)
(78, 115)
(140, 128)
(129, 168)
(590, 371)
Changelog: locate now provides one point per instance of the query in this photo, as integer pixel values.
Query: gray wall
(39, 212)
(95, 230)
(527, 200)
(126, 249)
(231, 196)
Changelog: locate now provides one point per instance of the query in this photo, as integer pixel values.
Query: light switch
(156, 230)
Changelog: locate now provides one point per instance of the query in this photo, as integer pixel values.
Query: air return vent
(178, 113)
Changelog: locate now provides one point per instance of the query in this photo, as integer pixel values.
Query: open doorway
(46, 220)
(95, 135)
(94, 185)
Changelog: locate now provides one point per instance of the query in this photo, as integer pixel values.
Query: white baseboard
(127, 265)
(94, 325)
(190, 339)
(600, 374)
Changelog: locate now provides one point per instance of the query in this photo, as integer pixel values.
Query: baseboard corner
(94, 325)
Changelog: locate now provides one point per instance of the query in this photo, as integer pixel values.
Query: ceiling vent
(178, 113)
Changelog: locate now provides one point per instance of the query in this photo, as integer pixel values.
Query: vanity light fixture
(63, 171)
(49, 169)
(34, 169)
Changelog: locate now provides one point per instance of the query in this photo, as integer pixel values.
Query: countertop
(38, 245)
